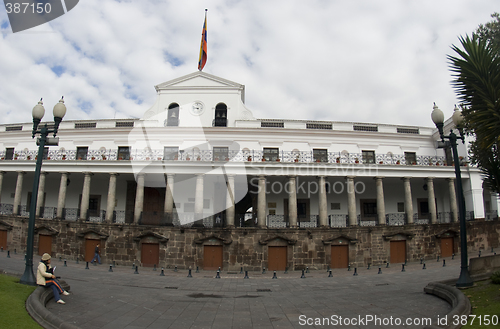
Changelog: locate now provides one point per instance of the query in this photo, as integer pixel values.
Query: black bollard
(328, 269)
(387, 265)
(154, 267)
(60, 258)
(479, 253)
(421, 260)
(379, 270)
(77, 260)
(241, 270)
(15, 251)
(307, 269)
(349, 267)
(491, 250)
(162, 272)
(274, 275)
(263, 270)
(452, 256)
(444, 262)
(218, 275)
(197, 270)
(65, 264)
(438, 259)
(355, 271)
(136, 270)
(302, 276)
(330, 275)
(423, 268)
(286, 270)
(133, 265)
(87, 266)
(8, 253)
(403, 268)
(246, 275)
(175, 269)
(189, 274)
(368, 266)
(110, 268)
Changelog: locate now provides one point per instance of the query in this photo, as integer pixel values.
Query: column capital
(2, 172)
(450, 179)
(262, 177)
(378, 177)
(429, 179)
(87, 173)
(20, 172)
(141, 174)
(114, 174)
(406, 178)
(350, 177)
(65, 173)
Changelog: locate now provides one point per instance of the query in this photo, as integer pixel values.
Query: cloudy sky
(378, 61)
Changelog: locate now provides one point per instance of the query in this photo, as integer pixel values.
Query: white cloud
(369, 61)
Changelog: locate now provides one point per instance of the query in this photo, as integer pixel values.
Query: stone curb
(35, 305)
(459, 303)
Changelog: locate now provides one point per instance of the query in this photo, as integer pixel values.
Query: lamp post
(438, 117)
(38, 112)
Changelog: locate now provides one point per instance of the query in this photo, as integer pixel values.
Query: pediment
(219, 238)
(339, 239)
(399, 236)
(198, 80)
(151, 237)
(277, 237)
(5, 226)
(91, 233)
(46, 230)
(447, 234)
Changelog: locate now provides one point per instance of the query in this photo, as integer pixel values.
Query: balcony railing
(232, 156)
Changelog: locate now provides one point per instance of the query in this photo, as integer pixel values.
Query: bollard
(355, 271)
(421, 260)
(406, 261)
(403, 269)
(328, 269)
(136, 270)
(246, 275)
(274, 275)
(162, 272)
(438, 259)
(241, 270)
(479, 253)
(379, 270)
(8, 253)
(349, 267)
(491, 250)
(263, 270)
(175, 269)
(307, 269)
(15, 251)
(154, 267)
(65, 264)
(444, 262)
(423, 268)
(453, 256)
(24, 256)
(133, 265)
(87, 266)
(189, 274)
(60, 258)
(197, 270)
(110, 268)
(77, 260)
(286, 270)
(387, 265)
(218, 275)
(302, 276)
(330, 275)
(368, 266)
(114, 264)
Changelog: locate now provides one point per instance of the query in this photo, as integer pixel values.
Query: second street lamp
(38, 112)
(438, 117)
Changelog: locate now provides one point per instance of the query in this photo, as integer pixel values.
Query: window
(271, 154)
(94, 205)
(320, 155)
(221, 154)
(272, 124)
(173, 115)
(364, 128)
(220, 115)
(368, 156)
(411, 158)
(423, 208)
(368, 209)
(401, 207)
(123, 152)
(81, 153)
(325, 126)
(9, 153)
(170, 153)
(335, 206)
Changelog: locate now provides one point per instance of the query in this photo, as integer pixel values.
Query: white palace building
(199, 165)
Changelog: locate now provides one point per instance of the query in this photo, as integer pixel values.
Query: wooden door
(90, 249)
(150, 254)
(153, 206)
(44, 244)
(340, 257)
(277, 257)
(446, 247)
(212, 257)
(398, 252)
(3, 239)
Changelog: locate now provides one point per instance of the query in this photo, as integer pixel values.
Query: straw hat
(46, 256)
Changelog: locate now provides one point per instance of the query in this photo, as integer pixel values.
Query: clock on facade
(197, 108)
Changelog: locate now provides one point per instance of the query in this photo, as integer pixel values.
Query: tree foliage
(476, 79)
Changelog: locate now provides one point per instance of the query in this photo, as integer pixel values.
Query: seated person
(46, 278)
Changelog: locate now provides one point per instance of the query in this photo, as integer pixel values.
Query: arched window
(220, 119)
(173, 115)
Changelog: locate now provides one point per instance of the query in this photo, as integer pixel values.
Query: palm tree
(476, 80)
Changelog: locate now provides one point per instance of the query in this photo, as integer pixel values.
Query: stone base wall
(247, 247)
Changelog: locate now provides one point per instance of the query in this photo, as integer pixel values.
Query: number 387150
(24, 7)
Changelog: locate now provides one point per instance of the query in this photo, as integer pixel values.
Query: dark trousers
(56, 288)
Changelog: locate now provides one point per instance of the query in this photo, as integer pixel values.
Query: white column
(41, 193)
(380, 200)
(61, 200)
(198, 197)
(408, 200)
(84, 207)
(351, 202)
(292, 202)
(169, 195)
(322, 204)
(139, 198)
(18, 192)
(431, 200)
(261, 202)
(1, 183)
(453, 200)
(110, 206)
(230, 201)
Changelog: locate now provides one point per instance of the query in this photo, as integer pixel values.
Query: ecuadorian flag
(203, 48)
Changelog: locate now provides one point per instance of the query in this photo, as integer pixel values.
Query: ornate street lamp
(438, 117)
(38, 112)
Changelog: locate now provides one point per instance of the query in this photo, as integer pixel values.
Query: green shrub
(495, 278)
